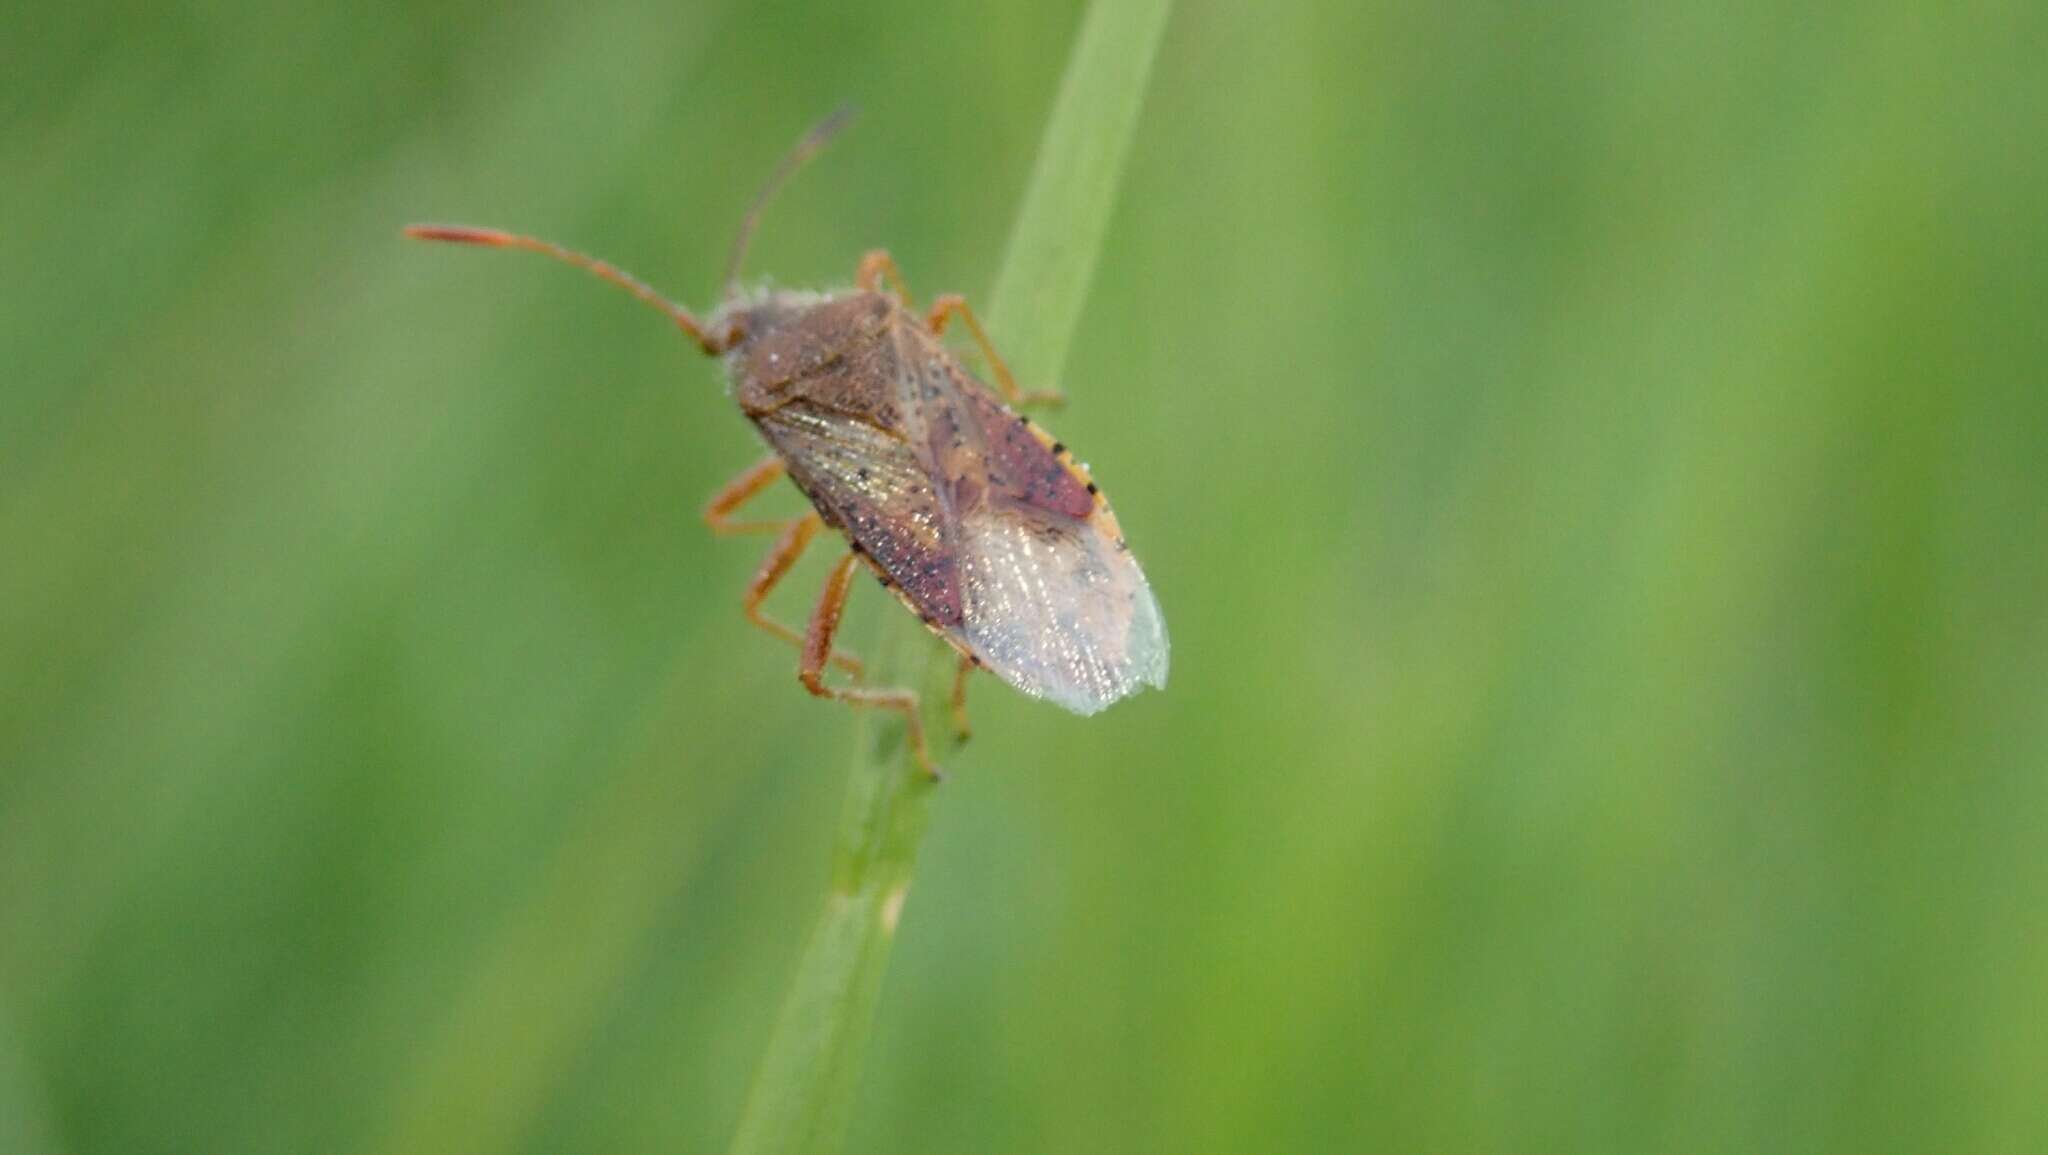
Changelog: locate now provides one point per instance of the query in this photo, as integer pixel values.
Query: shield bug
(975, 518)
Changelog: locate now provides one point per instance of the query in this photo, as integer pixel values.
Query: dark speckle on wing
(871, 483)
(1023, 469)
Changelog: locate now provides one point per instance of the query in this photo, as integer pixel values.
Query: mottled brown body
(975, 518)
(892, 440)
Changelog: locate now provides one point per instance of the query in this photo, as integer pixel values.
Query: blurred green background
(1592, 460)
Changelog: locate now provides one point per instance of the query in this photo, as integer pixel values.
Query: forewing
(1053, 602)
(1021, 467)
(873, 485)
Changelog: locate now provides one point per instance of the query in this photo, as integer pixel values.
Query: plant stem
(802, 1094)
(803, 1089)
(1050, 261)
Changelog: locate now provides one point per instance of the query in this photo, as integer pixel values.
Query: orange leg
(781, 556)
(737, 492)
(961, 730)
(818, 649)
(877, 267)
(943, 310)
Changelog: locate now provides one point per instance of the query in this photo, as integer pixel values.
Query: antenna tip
(460, 234)
(834, 122)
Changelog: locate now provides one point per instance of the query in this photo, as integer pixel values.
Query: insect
(974, 517)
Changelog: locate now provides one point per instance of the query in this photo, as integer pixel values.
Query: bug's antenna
(494, 238)
(817, 138)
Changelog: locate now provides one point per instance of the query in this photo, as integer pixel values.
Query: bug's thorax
(835, 351)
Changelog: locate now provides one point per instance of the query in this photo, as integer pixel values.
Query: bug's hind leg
(818, 650)
(961, 730)
(740, 490)
(878, 267)
(943, 311)
(781, 556)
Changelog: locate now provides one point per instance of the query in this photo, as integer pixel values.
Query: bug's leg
(943, 310)
(961, 730)
(876, 267)
(818, 649)
(737, 492)
(782, 555)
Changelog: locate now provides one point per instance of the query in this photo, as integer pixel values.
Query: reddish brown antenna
(808, 146)
(499, 239)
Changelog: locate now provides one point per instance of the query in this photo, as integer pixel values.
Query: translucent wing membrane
(1057, 609)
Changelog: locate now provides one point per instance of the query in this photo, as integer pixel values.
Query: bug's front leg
(740, 490)
(877, 267)
(943, 310)
(818, 650)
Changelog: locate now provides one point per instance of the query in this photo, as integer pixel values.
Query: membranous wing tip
(1054, 608)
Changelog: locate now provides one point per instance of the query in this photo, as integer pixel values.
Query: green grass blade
(803, 1090)
(1051, 259)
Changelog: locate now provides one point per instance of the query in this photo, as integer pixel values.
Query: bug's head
(753, 318)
